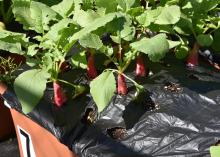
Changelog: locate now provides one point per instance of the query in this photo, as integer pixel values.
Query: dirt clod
(173, 87)
(117, 133)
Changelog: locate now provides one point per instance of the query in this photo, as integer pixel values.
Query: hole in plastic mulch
(118, 133)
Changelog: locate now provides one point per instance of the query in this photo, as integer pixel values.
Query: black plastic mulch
(185, 123)
(9, 148)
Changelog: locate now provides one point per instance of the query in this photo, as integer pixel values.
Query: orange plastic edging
(44, 143)
(6, 123)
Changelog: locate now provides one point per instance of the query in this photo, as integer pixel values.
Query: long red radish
(193, 57)
(59, 95)
(122, 87)
(140, 67)
(91, 69)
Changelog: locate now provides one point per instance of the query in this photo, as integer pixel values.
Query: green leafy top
(119, 29)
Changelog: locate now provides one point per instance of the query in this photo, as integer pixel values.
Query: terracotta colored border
(44, 143)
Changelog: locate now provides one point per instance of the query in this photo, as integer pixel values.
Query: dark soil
(117, 133)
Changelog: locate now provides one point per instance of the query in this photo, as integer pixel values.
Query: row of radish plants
(55, 33)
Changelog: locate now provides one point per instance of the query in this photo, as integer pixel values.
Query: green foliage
(29, 88)
(129, 26)
(110, 6)
(173, 44)
(205, 39)
(64, 8)
(97, 23)
(91, 41)
(102, 89)
(54, 33)
(215, 151)
(79, 60)
(84, 18)
(13, 42)
(162, 16)
(34, 15)
(155, 47)
(182, 52)
(169, 15)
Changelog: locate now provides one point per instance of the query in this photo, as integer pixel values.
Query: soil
(90, 116)
(173, 87)
(117, 133)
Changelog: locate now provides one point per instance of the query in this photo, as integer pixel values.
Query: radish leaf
(173, 44)
(169, 15)
(156, 47)
(102, 89)
(79, 60)
(91, 41)
(29, 88)
(97, 23)
(33, 15)
(13, 42)
(205, 39)
(182, 52)
(64, 8)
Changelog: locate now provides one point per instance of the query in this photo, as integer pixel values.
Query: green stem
(56, 70)
(78, 88)
(128, 62)
(73, 85)
(118, 67)
(8, 16)
(130, 79)
(194, 33)
(120, 55)
(59, 66)
(180, 38)
(126, 65)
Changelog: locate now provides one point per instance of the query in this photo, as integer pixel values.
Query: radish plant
(200, 20)
(45, 49)
(122, 31)
(122, 21)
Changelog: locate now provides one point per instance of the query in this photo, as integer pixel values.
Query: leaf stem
(66, 82)
(130, 79)
(128, 61)
(3, 11)
(8, 16)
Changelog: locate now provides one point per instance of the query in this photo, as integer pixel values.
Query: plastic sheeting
(178, 115)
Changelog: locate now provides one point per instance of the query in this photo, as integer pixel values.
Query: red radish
(140, 68)
(193, 57)
(59, 95)
(91, 70)
(122, 88)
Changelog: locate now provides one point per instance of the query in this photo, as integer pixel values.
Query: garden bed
(177, 115)
(126, 78)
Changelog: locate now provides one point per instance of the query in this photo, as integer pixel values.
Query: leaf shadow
(137, 108)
